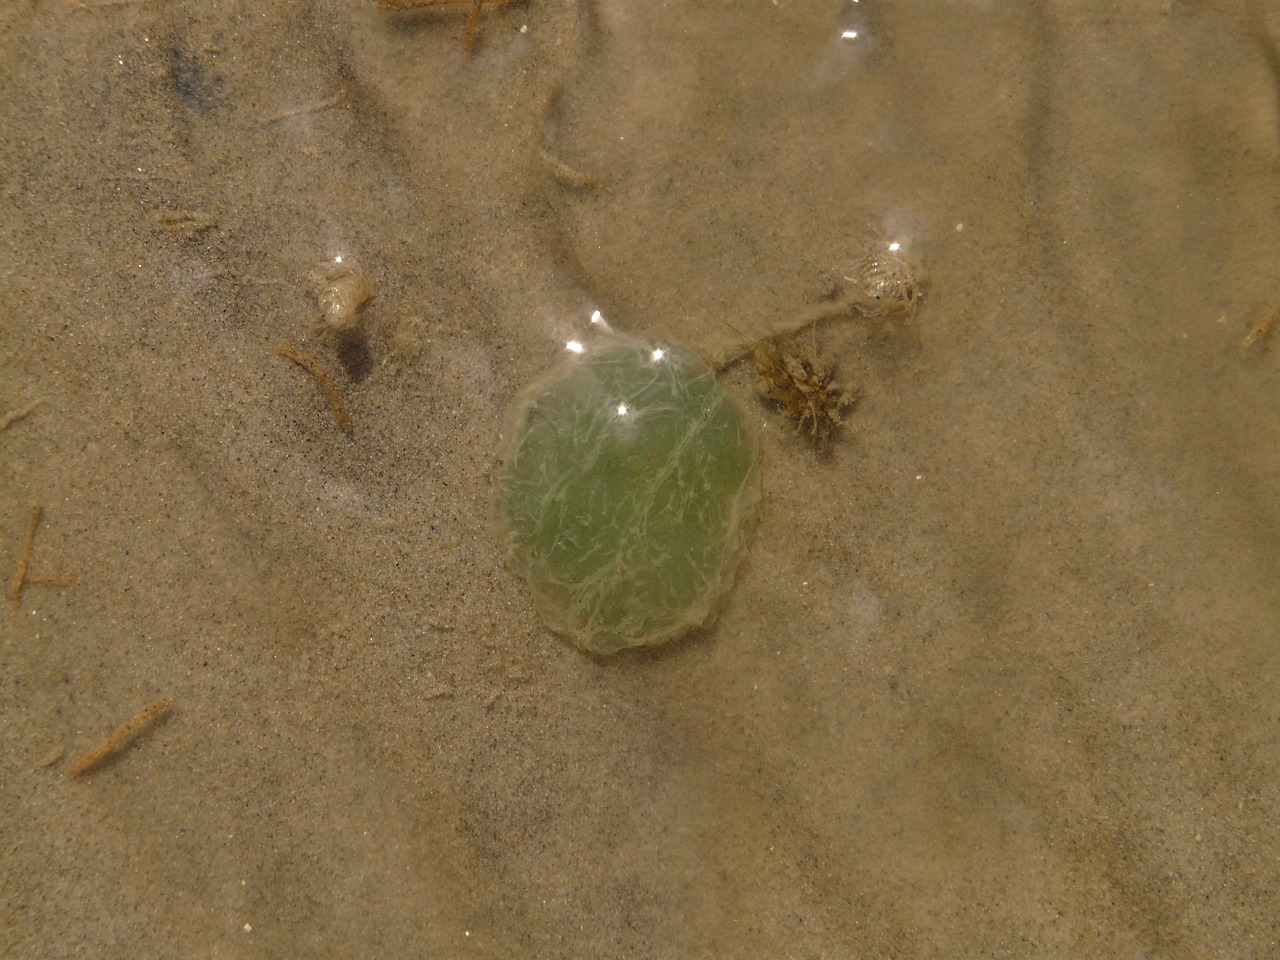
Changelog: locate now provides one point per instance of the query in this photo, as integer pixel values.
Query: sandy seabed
(999, 675)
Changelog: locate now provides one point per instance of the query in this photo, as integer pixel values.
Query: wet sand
(999, 675)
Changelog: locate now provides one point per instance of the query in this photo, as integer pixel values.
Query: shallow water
(999, 674)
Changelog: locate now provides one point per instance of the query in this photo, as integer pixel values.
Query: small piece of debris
(1260, 333)
(303, 111)
(187, 223)
(435, 691)
(314, 367)
(53, 756)
(566, 175)
(13, 416)
(473, 14)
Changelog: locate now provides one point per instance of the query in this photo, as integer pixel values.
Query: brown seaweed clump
(803, 385)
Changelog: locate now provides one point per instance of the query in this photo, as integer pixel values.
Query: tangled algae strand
(626, 489)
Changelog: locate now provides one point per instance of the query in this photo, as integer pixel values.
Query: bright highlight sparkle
(849, 35)
(622, 409)
(573, 346)
(658, 354)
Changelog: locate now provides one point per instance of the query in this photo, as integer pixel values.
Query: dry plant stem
(416, 4)
(811, 316)
(13, 416)
(22, 577)
(24, 558)
(123, 732)
(314, 367)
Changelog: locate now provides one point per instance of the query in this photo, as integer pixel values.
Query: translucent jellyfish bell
(627, 484)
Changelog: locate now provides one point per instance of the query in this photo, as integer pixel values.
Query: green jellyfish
(626, 488)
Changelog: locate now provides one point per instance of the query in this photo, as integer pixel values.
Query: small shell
(341, 299)
(885, 285)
